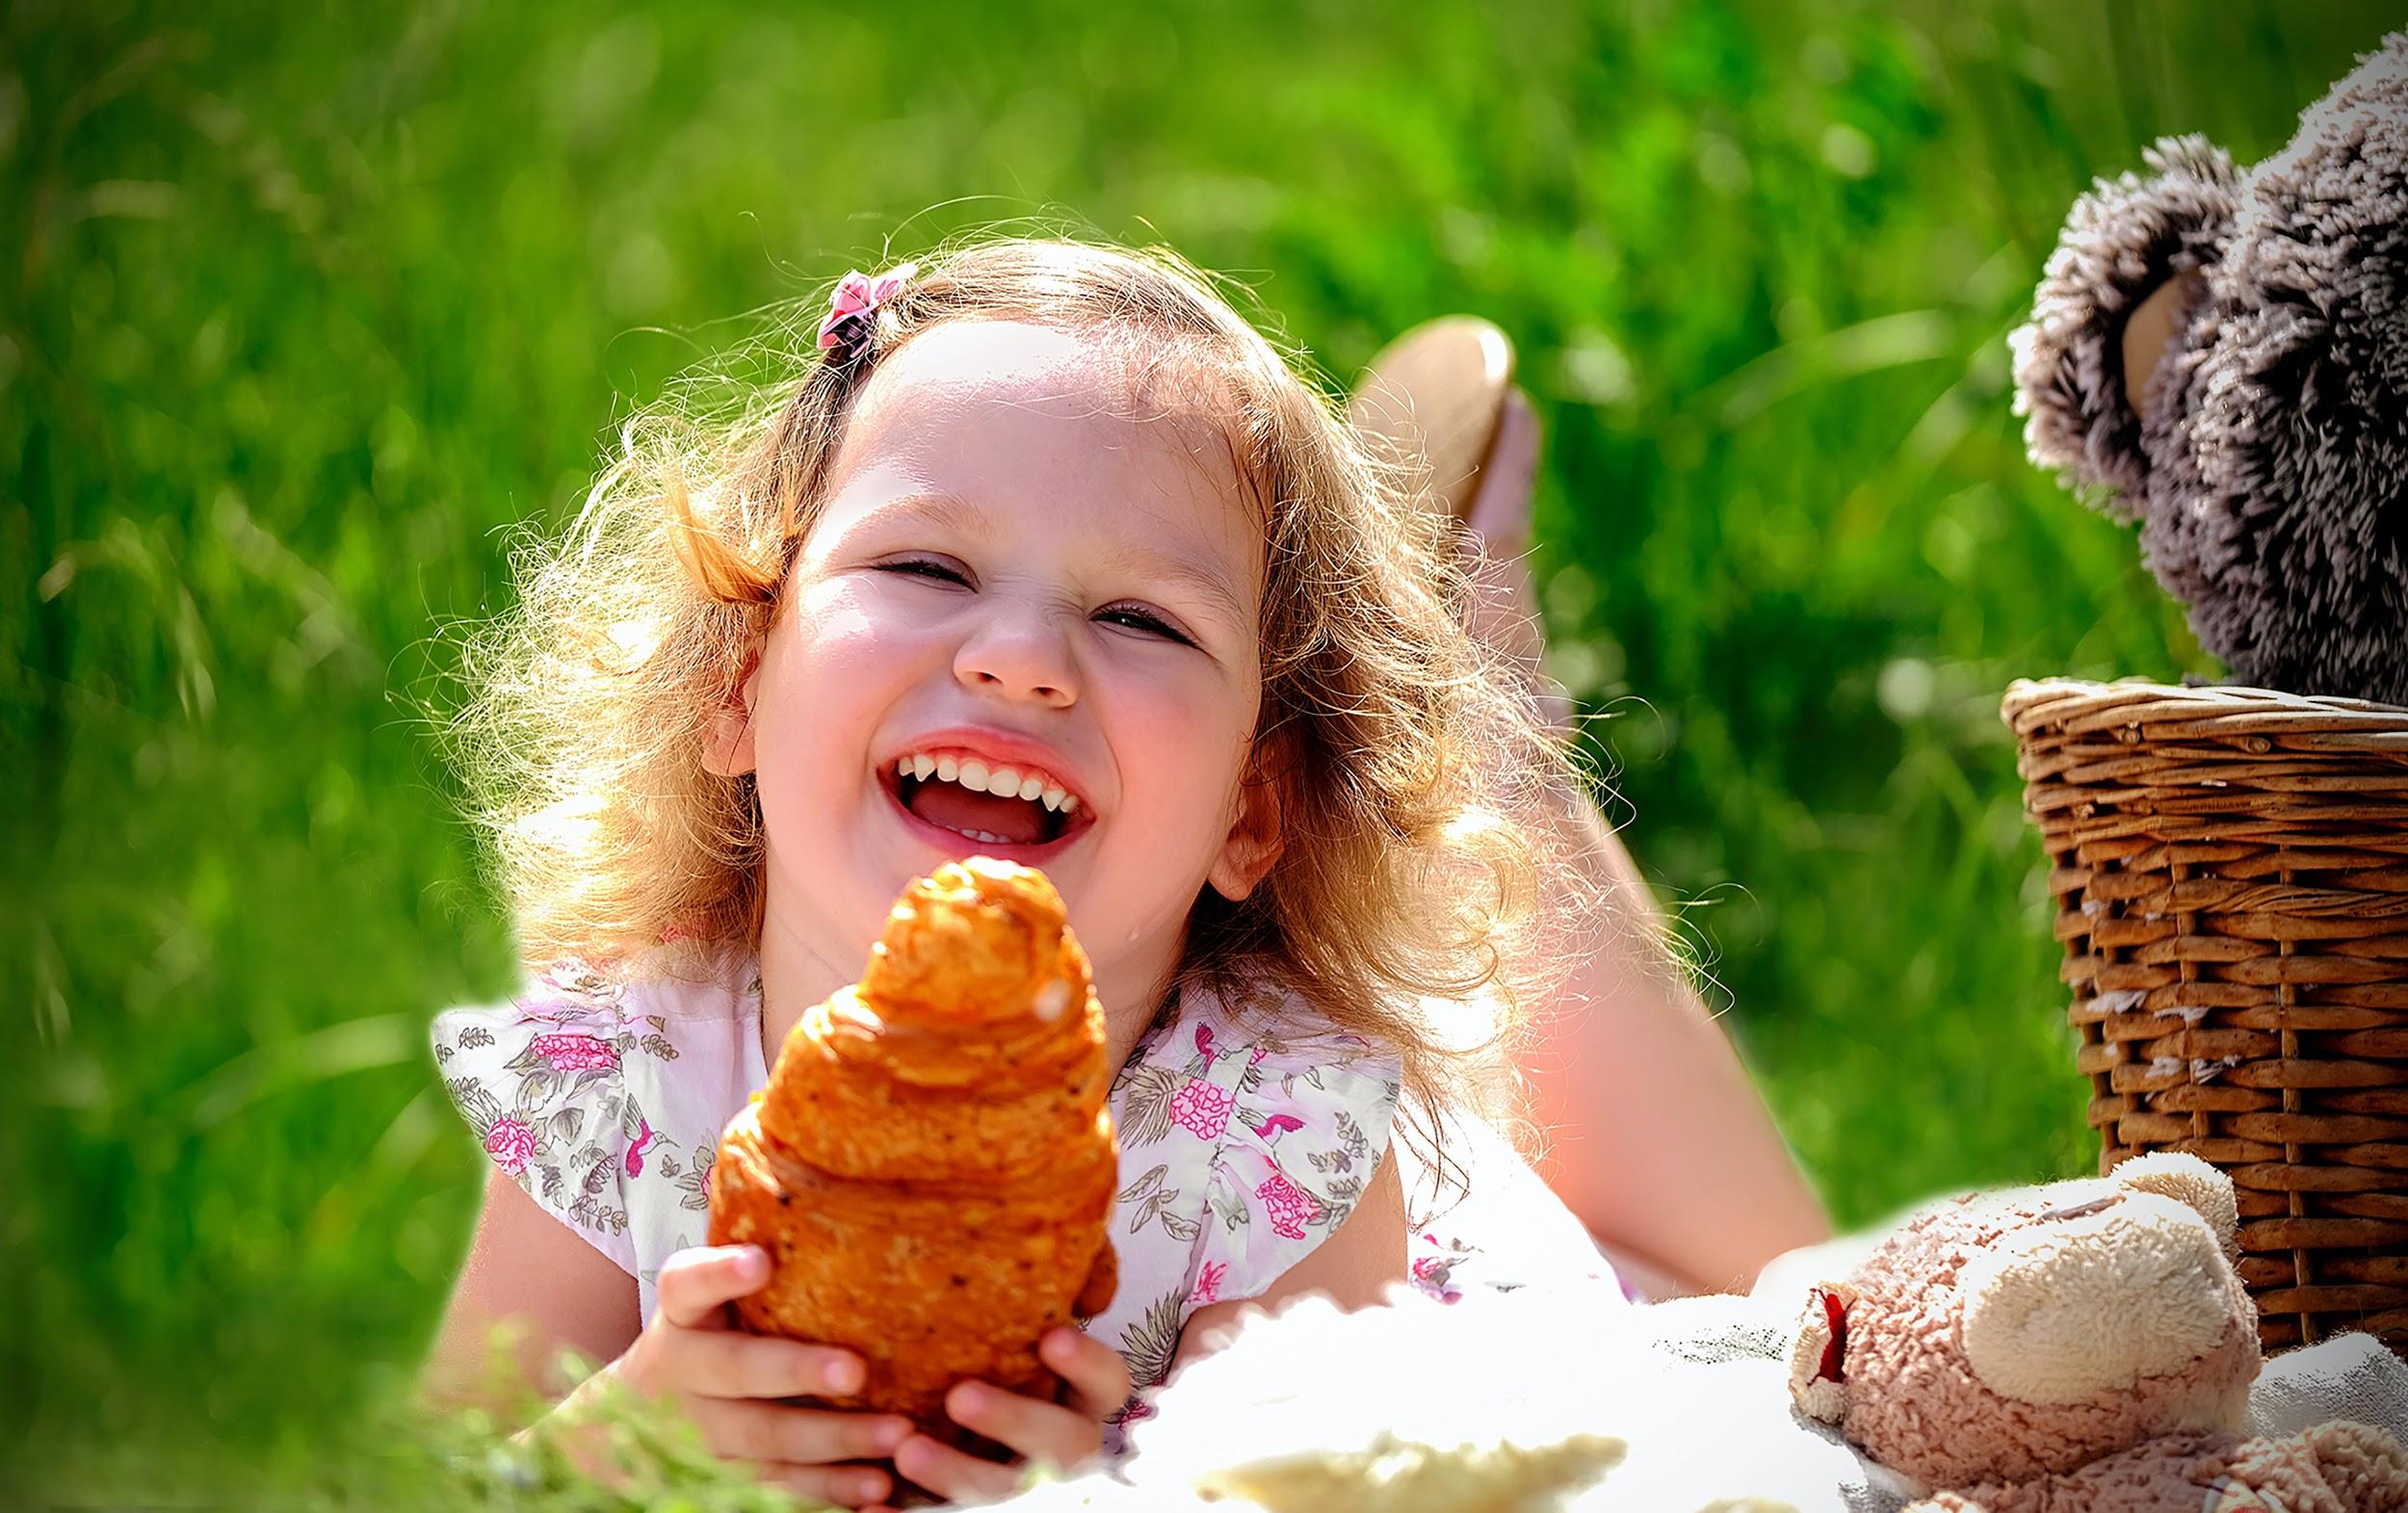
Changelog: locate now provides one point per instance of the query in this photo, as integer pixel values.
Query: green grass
(307, 306)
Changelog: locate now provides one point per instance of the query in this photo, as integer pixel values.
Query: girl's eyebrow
(946, 511)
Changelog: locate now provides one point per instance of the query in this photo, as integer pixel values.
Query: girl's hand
(728, 1383)
(1064, 1437)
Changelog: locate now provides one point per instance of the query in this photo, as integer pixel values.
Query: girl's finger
(1060, 1436)
(1098, 1376)
(723, 1363)
(697, 1284)
(950, 1474)
(763, 1431)
(846, 1486)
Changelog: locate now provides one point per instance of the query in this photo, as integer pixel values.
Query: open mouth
(1011, 808)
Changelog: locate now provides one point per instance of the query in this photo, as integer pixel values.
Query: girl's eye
(1138, 619)
(927, 568)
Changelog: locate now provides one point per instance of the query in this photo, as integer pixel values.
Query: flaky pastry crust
(931, 1166)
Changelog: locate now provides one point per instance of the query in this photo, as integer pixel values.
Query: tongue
(1019, 822)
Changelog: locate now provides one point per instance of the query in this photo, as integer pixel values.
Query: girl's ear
(1255, 836)
(728, 729)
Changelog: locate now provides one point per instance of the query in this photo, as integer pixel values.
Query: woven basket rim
(2032, 704)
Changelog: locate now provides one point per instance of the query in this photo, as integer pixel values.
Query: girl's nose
(1019, 654)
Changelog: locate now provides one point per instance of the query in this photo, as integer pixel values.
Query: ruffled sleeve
(540, 1082)
(1308, 1129)
(1244, 1145)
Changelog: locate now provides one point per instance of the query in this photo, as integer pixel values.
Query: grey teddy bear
(2222, 355)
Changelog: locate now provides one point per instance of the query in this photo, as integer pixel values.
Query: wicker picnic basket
(2231, 874)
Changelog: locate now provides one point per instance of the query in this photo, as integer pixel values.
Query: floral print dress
(1247, 1134)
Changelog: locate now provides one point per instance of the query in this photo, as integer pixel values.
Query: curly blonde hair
(1408, 762)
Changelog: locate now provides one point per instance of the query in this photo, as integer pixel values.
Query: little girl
(1048, 556)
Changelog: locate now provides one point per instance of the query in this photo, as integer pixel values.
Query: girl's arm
(1653, 1134)
(1652, 1131)
(525, 1265)
(1355, 1266)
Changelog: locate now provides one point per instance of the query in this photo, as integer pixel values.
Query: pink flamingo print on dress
(1278, 1124)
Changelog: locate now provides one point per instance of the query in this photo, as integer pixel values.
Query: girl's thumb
(697, 1284)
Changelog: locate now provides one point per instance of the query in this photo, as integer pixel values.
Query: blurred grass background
(307, 305)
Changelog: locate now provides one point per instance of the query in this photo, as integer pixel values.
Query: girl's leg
(1505, 618)
(1650, 1130)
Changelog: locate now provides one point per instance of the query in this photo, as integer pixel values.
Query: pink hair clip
(857, 299)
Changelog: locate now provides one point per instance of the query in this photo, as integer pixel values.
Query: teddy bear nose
(2096, 1301)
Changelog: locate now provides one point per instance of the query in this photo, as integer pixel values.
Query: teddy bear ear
(2192, 1183)
(1818, 1354)
(2125, 241)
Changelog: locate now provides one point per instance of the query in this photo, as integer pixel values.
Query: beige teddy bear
(2085, 1348)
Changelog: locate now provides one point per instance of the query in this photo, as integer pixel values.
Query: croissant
(931, 1166)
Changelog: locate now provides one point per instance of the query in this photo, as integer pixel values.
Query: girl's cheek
(847, 628)
(832, 608)
(1161, 694)
(1189, 732)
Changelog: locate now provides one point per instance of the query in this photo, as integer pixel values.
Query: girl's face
(1018, 579)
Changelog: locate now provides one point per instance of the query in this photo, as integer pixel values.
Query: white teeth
(1009, 782)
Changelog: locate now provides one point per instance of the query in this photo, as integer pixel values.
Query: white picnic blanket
(1695, 1389)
